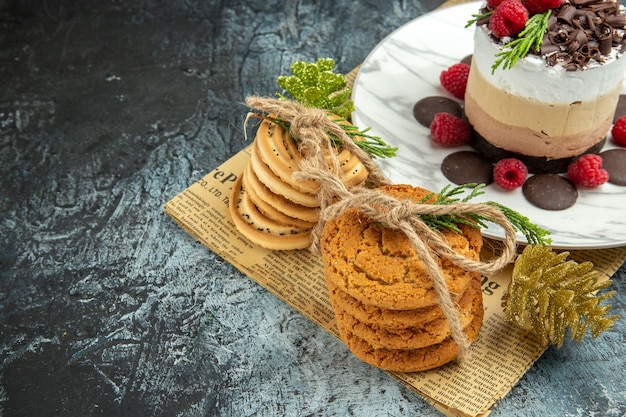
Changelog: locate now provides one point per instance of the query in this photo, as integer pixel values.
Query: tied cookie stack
(402, 264)
(386, 305)
(273, 208)
(406, 296)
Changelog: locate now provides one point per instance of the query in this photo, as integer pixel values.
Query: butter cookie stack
(386, 308)
(267, 204)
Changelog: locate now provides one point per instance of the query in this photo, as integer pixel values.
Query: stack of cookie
(386, 308)
(267, 204)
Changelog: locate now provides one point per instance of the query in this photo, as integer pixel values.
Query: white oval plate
(404, 68)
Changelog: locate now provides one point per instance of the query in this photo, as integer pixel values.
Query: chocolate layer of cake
(535, 164)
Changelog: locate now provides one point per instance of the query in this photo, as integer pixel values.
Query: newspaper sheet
(500, 356)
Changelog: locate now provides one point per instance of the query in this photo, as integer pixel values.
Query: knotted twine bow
(311, 127)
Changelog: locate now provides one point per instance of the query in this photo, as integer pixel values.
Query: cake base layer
(535, 164)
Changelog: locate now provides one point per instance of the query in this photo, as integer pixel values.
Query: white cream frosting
(533, 79)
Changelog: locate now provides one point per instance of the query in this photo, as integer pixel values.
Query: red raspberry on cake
(619, 131)
(587, 171)
(508, 19)
(540, 6)
(493, 3)
(510, 173)
(448, 130)
(454, 79)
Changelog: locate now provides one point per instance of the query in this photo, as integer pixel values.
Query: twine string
(312, 129)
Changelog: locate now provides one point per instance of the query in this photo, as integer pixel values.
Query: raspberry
(493, 3)
(619, 131)
(454, 79)
(510, 173)
(448, 130)
(540, 6)
(508, 19)
(587, 171)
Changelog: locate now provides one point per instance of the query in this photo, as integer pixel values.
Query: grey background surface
(107, 110)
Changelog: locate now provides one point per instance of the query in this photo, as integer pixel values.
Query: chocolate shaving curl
(605, 43)
(618, 21)
(566, 14)
(579, 58)
(548, 48)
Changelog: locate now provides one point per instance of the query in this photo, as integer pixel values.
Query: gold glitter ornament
(549, 293)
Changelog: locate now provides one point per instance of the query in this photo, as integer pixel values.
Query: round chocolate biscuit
(425, 109)
(550, 191)
(614, 161)
(464, 167)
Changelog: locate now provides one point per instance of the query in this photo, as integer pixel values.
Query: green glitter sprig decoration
(316, 85)
(551, 294)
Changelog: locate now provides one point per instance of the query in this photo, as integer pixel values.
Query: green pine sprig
(530, 36)
(372, 145)
(533, 233)
(477, 17)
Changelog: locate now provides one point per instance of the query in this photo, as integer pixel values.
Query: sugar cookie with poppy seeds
(279, 151)
(266, 176)
(274, 206)
(268, 201)
(260, 229)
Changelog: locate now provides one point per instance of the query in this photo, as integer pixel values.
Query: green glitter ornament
(316, 85)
